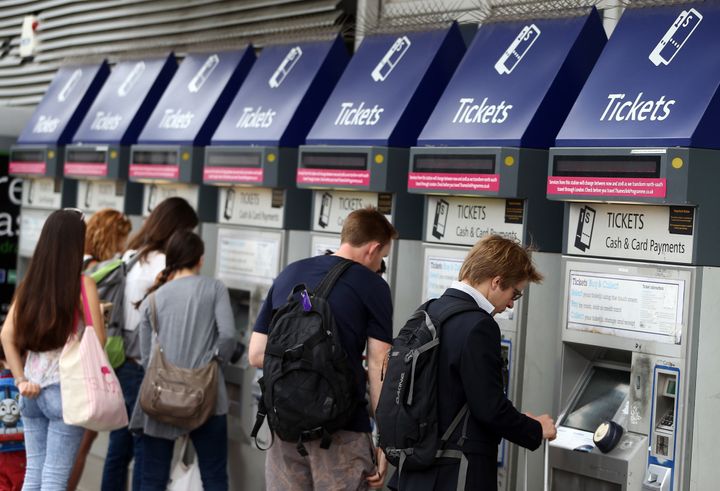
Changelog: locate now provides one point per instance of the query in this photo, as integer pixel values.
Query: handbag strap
(86, 307)
(153, 313)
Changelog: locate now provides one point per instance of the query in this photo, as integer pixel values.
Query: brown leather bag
(183, 397)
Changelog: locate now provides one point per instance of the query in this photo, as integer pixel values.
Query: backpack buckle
(294, 353)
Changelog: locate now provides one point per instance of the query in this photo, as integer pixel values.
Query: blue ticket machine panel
(100, 151)
(636, 164)
(376, 112)
(170, 146)
(255, 145)
(39, 150)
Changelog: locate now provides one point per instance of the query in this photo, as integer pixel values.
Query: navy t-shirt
(360, 302)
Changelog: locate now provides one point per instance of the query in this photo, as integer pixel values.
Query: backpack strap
(454, 309)
(328, 282)
(462, 415)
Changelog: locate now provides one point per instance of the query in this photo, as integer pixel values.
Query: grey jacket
(195, 321)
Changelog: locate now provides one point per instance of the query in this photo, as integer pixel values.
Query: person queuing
(149, 245)
(195, 325)
(105, 238)
(44, 313)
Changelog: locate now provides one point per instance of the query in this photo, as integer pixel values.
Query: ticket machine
(356, 153)
(636, 164)
(263, 219)
(99, 156)
(481, 162)
(38, 155)
(169, 154)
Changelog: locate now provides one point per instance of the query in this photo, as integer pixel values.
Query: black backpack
(407, 412)
(308, 387)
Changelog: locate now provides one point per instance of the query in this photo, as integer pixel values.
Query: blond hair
(497, 256)
(106, 233)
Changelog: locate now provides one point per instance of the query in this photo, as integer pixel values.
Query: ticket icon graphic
(675, 37)
(204, 73)
(69, 85)
(285, 67)
(131, 79)
(393, 56)
(517, 49)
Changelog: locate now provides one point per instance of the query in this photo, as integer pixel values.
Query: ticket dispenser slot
(663, 431)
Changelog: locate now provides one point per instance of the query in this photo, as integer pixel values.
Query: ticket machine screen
(600, 400)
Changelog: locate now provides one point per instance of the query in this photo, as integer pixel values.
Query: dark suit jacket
(471, 371)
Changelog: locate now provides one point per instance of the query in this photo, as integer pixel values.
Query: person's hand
(28, 389)
(549, 431)
(377, 480)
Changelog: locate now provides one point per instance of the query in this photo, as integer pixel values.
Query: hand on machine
(548, 425)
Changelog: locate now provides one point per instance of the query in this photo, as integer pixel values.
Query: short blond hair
(367, 225)
(497, 256)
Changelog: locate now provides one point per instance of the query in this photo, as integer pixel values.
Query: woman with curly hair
(106, 236)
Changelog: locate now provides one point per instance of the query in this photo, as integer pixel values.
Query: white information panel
(153, 194)
(652, 233)
(319, 244)
(330, 208)
(96, 195)
(31, 224)
(454, 220)
(247, 256)
(250, 206)
(627, 306)
(441, 268)
(41, 193)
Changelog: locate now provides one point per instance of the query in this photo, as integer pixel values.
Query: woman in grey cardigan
(194, 323)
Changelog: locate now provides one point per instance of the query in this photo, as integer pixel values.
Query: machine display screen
(600, 400)
(635, 166)
(155, 157)
(230, 158)
(323, 160)
(27, 156)
(455, 164)
(87, 156)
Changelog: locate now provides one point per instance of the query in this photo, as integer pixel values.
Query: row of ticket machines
(601, 154)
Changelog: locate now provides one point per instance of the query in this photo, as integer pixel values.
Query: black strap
(328, 282)
(454, 309)
(259, 420)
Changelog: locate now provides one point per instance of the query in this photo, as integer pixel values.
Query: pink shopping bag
(91, 394)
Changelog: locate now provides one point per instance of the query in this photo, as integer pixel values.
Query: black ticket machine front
(636, 164)
(356, 153)
(38, 155)
(168, 157)
(99, 156)
(480, 163)
(263, 219)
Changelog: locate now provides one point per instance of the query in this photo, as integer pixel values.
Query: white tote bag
(184, 476)
(90, 391)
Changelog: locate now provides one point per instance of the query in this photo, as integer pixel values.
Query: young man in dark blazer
(492, 278)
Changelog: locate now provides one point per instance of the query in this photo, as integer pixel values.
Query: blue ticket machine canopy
(101, 146)
(170, 146)
(376, 112)
(503, 106)
(39, 151)
(637, 163)
(256, 142)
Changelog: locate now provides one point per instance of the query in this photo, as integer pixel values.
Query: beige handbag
(183, 397)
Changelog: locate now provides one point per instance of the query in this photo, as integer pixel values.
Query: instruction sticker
(626, 306)
(652, 233)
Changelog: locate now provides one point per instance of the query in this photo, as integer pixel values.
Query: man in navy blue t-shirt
(362, 306)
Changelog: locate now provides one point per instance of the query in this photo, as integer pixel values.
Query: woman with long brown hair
(147, 251)
(45, 312)
(106, 235)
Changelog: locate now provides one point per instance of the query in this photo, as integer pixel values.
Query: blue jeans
(50, 444)
(124, 445)
(210, 442)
